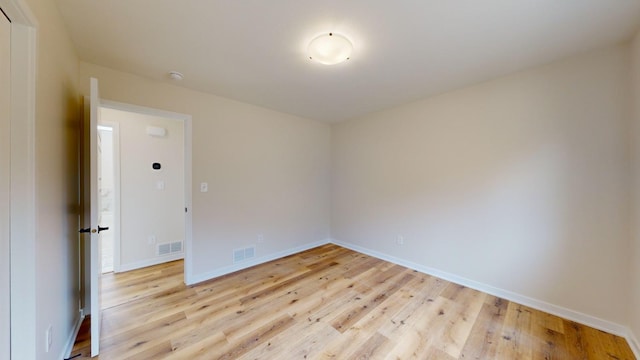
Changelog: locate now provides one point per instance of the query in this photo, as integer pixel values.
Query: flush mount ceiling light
(330, 49)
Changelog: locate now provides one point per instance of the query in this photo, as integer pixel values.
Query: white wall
(521, 183)
(634, 303)
(146, 210)
(268, 172)
(56, 173)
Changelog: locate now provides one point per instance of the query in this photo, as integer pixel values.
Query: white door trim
(5, 170)
(23, 200)
(186, 119)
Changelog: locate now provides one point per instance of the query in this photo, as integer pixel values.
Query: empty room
(346, 179)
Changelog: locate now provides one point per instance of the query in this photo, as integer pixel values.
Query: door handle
(93, 231)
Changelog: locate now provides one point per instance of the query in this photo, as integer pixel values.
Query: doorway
(142, 187)
(177, 178)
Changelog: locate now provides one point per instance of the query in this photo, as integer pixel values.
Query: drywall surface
(634, 287)
(56, 152)
(267, 172)
(521, 183)
(152, 201)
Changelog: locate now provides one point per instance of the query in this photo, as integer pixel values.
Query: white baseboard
(633, 343)
(560, 311)
(72, 338)
(150, 262)
(257, 261)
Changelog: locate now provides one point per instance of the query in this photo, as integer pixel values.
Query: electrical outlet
(152, 239)
(260, 238)
(48, 338)
(400, 240)
(204, 187)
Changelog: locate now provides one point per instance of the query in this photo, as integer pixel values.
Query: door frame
(5, 173)
(187, 144)
(23, 200)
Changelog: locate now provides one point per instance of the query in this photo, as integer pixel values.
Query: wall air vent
(169, 248)
(238, 255)
(176, 246)
(244, 253)
(164, 249)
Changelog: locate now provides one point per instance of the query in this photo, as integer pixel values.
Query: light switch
(160, 185)
(204, 187)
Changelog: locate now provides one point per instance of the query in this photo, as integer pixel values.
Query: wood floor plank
(486, 331)
(139, 340)
(517, 338)
(369, 302)
(328, 303)
(360, 333)
(468, 303)
(146, 309)
(198, 349)
(253, 339)
(312, 339)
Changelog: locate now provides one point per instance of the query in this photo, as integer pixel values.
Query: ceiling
(254, 50)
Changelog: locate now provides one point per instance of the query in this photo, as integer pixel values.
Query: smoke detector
(176, 76)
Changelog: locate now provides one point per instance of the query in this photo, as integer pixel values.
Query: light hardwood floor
(328, 303)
